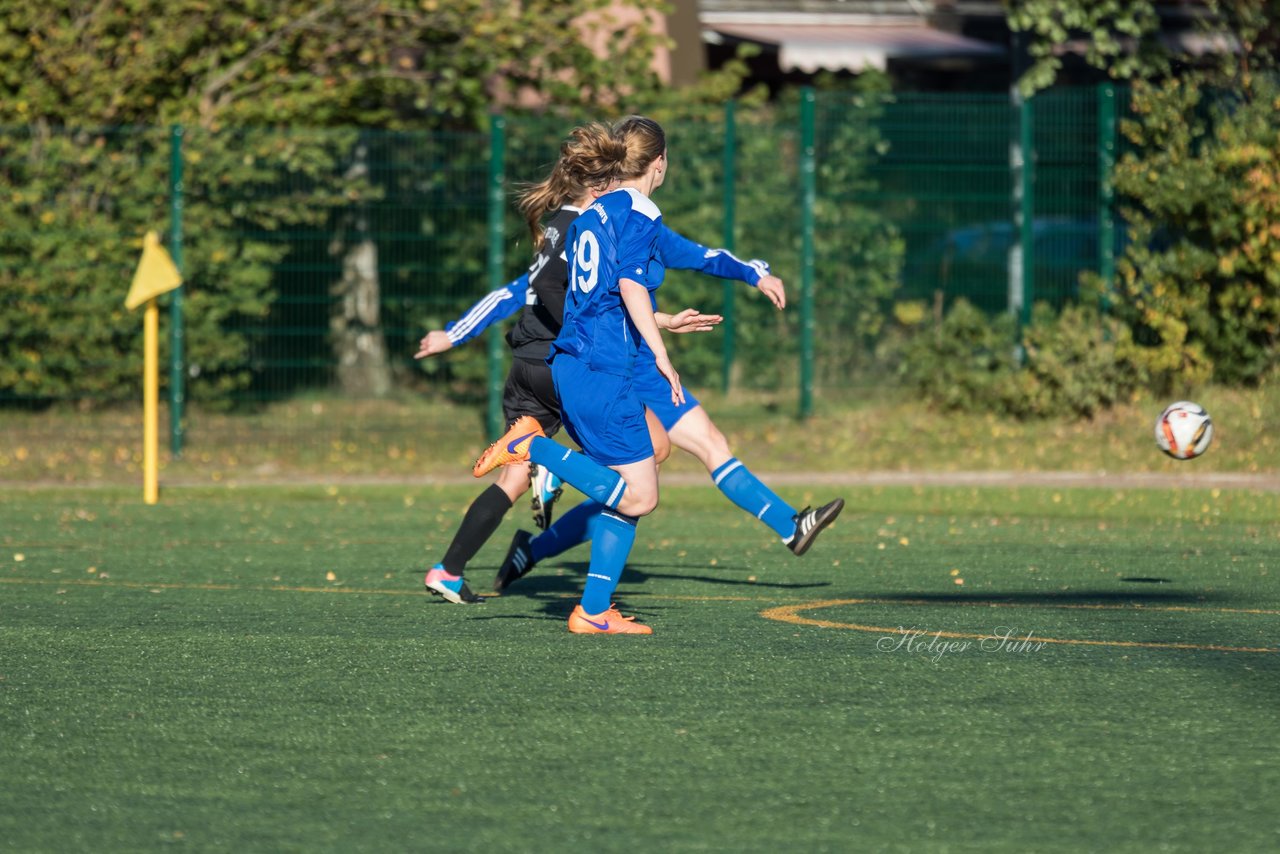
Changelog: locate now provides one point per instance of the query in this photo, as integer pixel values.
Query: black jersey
(540, 321)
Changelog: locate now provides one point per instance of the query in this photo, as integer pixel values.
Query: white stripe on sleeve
(477, 314)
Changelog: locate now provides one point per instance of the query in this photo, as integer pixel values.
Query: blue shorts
(655, 392)
(601, 413)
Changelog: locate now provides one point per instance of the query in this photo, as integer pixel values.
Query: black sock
(482, 519)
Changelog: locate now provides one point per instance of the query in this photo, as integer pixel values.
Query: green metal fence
(862, 204)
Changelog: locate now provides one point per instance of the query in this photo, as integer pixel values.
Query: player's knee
(658, 437)
(639, 502)
(661, 448)
(646, 505)
(514, 481)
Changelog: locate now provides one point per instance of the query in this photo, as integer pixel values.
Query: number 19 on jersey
(586, 262)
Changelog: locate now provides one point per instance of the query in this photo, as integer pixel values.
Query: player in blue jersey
(688, 426)
(691, 429)
(608, 311)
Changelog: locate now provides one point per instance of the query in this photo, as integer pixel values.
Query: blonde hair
(591, 158)
(646, 142)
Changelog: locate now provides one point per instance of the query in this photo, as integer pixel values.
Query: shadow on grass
(557, 590)
(573, 575)
(1058, 597)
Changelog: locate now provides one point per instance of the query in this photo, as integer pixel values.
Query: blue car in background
(972, 261)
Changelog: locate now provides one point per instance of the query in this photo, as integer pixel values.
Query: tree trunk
(359, 347)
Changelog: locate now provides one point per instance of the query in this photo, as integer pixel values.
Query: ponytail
(590, 159)
(537, 200)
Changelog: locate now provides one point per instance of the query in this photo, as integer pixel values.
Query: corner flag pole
(156, 275)
(150, 402)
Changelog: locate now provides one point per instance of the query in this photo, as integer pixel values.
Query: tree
(1198, 281)
(383, 63)
(1120, 37)
(82, 84)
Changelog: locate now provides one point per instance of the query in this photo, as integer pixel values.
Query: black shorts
(530, 391)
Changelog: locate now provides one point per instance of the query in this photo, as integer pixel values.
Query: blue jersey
(492, 307)
(615, 238)
(677, 252)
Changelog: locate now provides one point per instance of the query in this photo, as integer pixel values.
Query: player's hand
(433, 343)
(771, 286)
(664, 367)
(692, 320)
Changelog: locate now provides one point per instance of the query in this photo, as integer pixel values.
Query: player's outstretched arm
(494, 306)
(681, 253)
(689, 320)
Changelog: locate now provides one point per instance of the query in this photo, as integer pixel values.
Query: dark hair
(646, 142)
(590, 159)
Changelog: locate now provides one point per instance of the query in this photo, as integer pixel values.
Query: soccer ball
(1183, 430)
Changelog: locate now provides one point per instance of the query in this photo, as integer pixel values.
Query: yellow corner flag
(156, 274)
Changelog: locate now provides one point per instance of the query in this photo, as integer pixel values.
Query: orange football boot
(511, 448)
(608, 623)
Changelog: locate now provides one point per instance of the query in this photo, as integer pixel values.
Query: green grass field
(257, 669)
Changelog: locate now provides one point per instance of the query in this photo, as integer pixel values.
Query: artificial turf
(258, 669)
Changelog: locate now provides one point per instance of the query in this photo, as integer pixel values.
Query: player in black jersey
(528, 389)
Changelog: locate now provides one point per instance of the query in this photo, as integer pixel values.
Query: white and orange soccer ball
(1184, 430)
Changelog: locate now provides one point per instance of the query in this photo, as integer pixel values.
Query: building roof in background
(855, 7)
(810, 42)
(826, 7)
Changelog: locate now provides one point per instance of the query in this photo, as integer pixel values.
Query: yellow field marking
(791, 614)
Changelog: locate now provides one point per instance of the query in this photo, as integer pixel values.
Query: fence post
(497, 202)
(1106, 163)
(177, 337)
(730, 202)
(1022, 249)
(1027, 115)
(808, 196)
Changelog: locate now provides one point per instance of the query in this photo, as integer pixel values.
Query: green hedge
(1072, 363)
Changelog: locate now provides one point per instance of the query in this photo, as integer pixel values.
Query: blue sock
(578, 470)
(614, 535)
(566, 532)
(745, 489)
